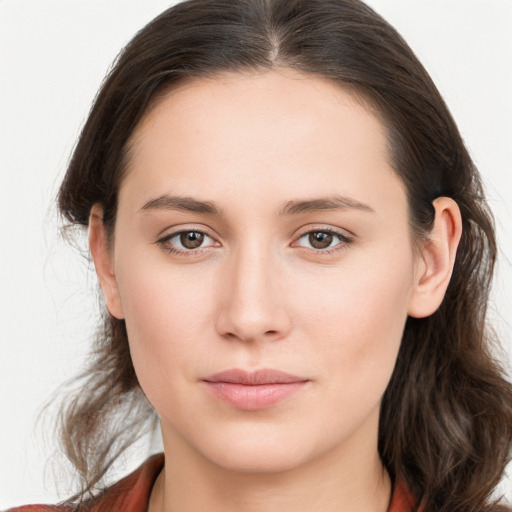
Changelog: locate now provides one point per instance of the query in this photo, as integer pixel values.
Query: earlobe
(437, 258)
(102, 258)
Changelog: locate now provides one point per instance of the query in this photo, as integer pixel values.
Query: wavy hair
(446, 416)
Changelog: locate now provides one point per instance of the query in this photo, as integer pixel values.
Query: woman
(295, 257)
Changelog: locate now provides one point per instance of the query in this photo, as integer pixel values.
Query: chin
(258, 448)
(257, 458)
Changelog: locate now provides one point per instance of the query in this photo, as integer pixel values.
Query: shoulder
(39, 508)
(131, 494)
(401, 499)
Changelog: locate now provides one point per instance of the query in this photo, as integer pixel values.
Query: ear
(102, 257)
(436, 259)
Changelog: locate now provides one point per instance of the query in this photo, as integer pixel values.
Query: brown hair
(446, 416)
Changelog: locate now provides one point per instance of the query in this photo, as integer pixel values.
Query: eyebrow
(296, 207)
(189, 204)
(324, 203)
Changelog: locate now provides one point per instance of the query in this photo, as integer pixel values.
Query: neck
(348, 479)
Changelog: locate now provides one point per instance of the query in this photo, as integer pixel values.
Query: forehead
(285, 128)
(284, 90)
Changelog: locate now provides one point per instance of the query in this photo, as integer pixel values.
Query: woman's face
(261, 227)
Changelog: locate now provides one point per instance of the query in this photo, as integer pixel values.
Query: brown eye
(324, 242)
(191, 239)
(187, 243)
(320, 239)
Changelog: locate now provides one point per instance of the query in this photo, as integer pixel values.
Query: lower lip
(252, 398)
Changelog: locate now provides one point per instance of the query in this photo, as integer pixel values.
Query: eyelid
(179, 227)
(311, 228)
(164, 240)
(346, 238)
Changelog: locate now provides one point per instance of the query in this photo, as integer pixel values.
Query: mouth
(254, 390)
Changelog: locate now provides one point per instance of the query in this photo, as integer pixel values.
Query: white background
(53, 56)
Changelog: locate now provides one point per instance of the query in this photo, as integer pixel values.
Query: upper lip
(258, 377)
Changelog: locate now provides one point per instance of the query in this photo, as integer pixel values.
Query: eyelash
(165, 243)
(344, 242)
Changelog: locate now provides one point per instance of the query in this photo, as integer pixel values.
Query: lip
(254, 390)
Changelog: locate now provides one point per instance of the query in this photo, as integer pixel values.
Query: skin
(257, 294)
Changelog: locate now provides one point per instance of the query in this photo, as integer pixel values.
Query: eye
(186, 241)
(322, 240)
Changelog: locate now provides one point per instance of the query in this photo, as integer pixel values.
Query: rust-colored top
(131, 494)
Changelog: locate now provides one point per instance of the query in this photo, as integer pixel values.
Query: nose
(252, 297)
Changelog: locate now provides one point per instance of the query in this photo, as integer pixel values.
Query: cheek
(167, 314)
(355, 321)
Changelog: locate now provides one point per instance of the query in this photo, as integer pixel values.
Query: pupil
(320, 240)
(191, 239)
